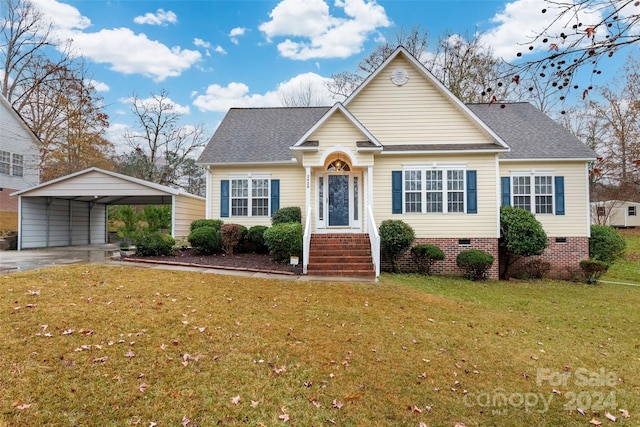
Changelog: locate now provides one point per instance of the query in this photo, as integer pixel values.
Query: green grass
(627, 270)
(98, 345)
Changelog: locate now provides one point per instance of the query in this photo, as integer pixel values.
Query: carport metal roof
(109, 188)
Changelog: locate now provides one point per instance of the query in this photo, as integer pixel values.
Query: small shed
(616, 213)
(73, 210)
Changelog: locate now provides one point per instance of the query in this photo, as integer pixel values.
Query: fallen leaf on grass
(143, 388)
(129, 354)
(185, 421)
(581, 412)
(33, 291)
(337, 404)
(595, 422)
(460, 425)
(254, 404)
(19, 405)
(235, 400)
(624, 413)
(68, 331)
(610, 417)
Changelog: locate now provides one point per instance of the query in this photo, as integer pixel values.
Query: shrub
(284, 240)
(396, 237)
(231, 236)
(205, 240)
(215, 223)
(254, 241)
(606, 244)
(592, 269)
(475, 263)
(521, 235)
(424, 255)
(153, 243)
(535, 269)
(284, 215)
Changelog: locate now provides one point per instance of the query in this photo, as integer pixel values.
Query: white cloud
(201, 43)
(161, 17)
(220, 99)
(169, 106)
(220, 49)
(521, 20)
(235, 33)
(121, 48)
(317, 33)
(99, 86)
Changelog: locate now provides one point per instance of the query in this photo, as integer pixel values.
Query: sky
(211, 55)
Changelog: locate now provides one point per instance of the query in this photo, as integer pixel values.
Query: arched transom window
(338, 166)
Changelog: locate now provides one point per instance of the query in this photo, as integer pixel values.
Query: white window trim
(444, 168)
(249, 177)
(533, 173)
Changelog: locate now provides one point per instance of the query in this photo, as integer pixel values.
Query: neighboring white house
(19, 156)
(401, 146)
(616, 213)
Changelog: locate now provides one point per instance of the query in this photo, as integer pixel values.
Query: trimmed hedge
(475, 263)
(424, 255)
(154, 243)
(231, 236)
(396, 237)
(606, 244)
(284, 240)
(254, 241)
(284, 215)
(205, 240)
(198, 223)
(592, 269)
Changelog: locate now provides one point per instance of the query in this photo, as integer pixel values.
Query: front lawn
(104, 345)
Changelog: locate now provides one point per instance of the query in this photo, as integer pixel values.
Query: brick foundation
(451, 249)
(564, 257)
(8, 203)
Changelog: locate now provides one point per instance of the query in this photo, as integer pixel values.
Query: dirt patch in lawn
(242, 261)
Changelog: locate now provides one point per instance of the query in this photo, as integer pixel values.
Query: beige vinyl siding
(453, 225)
(186, 210)
(417, 112)
(575, 221)
(337, 134)
(292, 189)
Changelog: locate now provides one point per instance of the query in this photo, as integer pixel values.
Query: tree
(521, 235)
(579, 34)
(301, 94)
(161, 147)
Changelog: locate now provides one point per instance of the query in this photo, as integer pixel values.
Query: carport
(72, 210)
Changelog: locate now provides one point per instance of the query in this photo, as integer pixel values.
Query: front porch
(340, 254)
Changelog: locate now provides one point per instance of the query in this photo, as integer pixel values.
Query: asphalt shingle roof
(264, 135)
(259, 135)
(530, 133)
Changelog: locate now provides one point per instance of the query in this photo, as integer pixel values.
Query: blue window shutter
(472, 192)
(396, 192)
(559, 184)
(224, 198)
(275, 195)
(506, 190)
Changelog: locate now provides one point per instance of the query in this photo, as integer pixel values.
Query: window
(536, 198)
(631, 211)
(5, 162)
(250, 197)
(434, 190)
(17, 168)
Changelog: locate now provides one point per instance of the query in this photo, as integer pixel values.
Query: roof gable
(17, 118)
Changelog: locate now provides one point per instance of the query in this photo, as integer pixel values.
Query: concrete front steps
(339, 254)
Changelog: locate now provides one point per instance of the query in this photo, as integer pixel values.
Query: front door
(338, 195)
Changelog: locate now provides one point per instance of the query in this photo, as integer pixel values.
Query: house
(19, 156)
(401, 146)
(616, 213)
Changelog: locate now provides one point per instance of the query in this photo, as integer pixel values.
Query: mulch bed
(243, 262)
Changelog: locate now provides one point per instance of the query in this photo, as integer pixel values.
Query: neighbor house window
(5, 162)
(250, 197)
(536, 198)
(632, 211)
(17, 167)
(434, 190)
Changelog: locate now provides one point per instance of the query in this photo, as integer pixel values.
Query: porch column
(307, 189)
(369, 191)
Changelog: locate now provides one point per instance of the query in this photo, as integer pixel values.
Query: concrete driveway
(31, 259)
